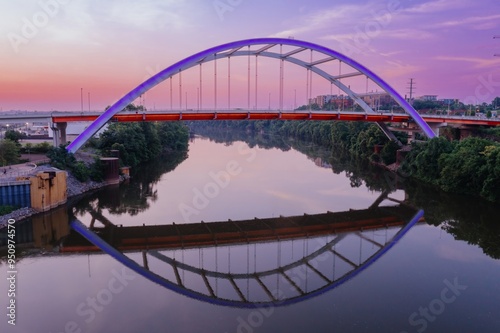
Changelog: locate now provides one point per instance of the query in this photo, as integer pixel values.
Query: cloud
(398, 69)
(327, 18)
(492, 20)
(148, 15)
(404, 34)
(477, 62)
(435, 6)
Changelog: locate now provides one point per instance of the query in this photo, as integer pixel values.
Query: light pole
(81, 97)
(89, 101)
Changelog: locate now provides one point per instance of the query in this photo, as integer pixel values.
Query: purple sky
(50, 49)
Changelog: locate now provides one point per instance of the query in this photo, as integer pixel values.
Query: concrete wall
(48, 190)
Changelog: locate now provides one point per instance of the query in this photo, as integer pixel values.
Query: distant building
(376, 99)
(337, 101)
(428, 98)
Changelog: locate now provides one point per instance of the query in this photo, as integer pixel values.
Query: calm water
(440, 276)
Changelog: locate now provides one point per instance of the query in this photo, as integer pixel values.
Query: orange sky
(109, 48)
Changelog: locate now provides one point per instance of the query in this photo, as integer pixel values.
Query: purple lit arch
(235, 49)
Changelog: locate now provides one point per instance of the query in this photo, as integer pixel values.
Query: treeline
(142, 142)
(358, 138)
(136, 143)
(470, 166)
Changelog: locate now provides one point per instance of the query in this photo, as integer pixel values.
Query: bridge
(333, 68)
(298, 257)
(238, 232)
(249, 76)
(249, 280)
(59, 120)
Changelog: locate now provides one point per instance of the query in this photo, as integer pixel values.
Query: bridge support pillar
(59, 130)
(55, 135)
(62, 130)
(435, 128)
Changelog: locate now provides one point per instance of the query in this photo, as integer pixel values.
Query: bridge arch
(270, 297)
(236, 49)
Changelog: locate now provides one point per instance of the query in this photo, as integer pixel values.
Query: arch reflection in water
(277, 273)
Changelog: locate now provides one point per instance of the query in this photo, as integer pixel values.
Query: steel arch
(233, 49)
(214, 299)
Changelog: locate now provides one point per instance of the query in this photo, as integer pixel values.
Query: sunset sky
(50, 49)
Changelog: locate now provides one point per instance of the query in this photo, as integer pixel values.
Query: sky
(53, 52)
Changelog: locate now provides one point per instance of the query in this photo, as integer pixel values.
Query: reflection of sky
(379, 300)
(269, 183)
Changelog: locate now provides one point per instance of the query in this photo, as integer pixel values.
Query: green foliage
(471, 166)
(14, 136)
(39, 148)
(80, 171)
(143, 142)
(64, 160)
(389, 152)
(422, 161)
(423, 105)
(60, 158)
(96, 171)
(6, 210)
(9, 152)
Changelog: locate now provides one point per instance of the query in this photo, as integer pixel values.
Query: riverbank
(74, 188)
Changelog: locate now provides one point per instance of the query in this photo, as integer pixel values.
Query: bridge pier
(435, 127)
(59, 130)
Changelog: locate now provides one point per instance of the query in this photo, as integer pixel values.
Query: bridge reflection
(297, 257)
(250, 263)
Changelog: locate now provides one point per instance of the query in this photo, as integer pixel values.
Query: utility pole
(411, 88)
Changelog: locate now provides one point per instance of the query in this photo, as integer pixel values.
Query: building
(428, 98)
(336, 101)
(377, 99)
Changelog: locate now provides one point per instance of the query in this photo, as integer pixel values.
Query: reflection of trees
(470, 219)
(467, 218)
(137, 195)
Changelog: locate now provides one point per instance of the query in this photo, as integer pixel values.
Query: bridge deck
(237, 232)
(190, 115)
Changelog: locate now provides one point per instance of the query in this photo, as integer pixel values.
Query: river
(381, 268)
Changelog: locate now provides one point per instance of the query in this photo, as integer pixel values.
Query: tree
(9, 152)
(14, 136)
(496, 103)
(389, 152)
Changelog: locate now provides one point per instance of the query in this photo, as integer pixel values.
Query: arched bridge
(334, 67)
(219, 263)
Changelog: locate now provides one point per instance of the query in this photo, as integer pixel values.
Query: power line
(411, 88)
